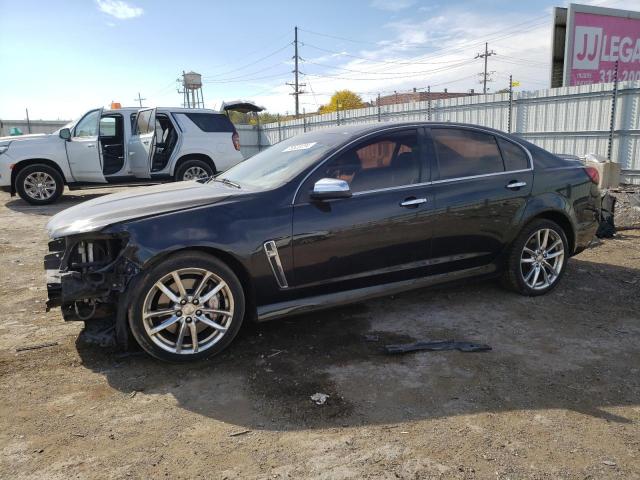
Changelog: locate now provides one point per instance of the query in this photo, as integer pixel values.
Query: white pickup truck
(115, 147)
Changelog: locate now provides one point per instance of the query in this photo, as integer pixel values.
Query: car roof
(163, 109)
(367, 128)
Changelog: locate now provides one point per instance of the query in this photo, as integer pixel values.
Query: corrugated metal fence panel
(570, 120)
(249, 140)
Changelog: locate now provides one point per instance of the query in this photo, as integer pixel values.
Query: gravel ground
(557, 397)
(627, 209)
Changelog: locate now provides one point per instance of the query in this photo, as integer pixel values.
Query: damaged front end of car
(87, 276)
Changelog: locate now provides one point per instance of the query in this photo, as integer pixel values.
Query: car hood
(137, 202)
(22, 138)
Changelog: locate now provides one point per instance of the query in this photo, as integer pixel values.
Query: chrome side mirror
(65, 134)
(328, 188)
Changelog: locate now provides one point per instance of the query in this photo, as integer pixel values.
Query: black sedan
(322, 219)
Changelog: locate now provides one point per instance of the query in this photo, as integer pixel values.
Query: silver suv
(115, 147)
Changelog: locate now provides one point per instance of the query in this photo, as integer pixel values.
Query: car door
(480, 187)
(83, 149)
(380, 229)
(142, 143)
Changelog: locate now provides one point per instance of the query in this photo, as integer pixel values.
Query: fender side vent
(273, 257)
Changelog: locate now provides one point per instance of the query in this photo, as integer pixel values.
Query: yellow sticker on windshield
(302, 146)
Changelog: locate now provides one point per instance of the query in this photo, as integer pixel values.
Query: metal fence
(250, 140)
(32, 126)
(568, 120)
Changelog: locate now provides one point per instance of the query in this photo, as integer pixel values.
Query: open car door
(142, 143)
(242, 106)
(83, 149)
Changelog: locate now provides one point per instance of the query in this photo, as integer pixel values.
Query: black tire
(514, 276)
(51, 174)
(188, 165)
(143, 290)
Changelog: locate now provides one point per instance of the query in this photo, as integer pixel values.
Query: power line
(253, 62)
(382, 73)
(417, 45)
(248, 79)
(397, 76)
(243, 75)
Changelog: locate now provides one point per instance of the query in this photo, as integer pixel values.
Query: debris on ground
(627, 206)
(606, 228)
(237, 434)
(319, 398)
(436, 346)
(36, 347)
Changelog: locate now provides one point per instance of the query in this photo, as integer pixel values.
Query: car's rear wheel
(187, 308)
(194, 170)
(39, 184)
(537, 258)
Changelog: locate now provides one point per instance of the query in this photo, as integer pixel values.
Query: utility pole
(510, 103)
(486, 74)
(139, 99)
(28, 121)
(296, 85)
(612, 119)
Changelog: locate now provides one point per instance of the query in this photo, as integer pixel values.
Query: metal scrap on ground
(437, 346)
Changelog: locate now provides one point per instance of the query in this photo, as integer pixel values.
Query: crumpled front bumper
(73, 285)
(52, 263)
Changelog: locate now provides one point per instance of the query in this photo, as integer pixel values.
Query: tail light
(593, 173)
(235, 138)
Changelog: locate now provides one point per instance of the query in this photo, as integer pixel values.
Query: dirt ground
(557, 397)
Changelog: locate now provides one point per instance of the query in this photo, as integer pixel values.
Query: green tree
(345, 98)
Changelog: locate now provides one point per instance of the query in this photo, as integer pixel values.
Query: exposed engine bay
(86, 275)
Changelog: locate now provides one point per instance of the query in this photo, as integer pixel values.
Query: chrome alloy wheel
(542, 259)
(195, 173)
(188, 311)
(39, 185)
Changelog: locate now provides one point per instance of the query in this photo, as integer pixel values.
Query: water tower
(192, 90)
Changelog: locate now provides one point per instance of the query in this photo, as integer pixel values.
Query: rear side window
(513, 156)
(211, 122)
(464, 153)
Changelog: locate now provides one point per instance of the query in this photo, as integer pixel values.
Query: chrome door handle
(411, 202)
(515, 185)
(91, 145)
(132, 153)
(146, 142)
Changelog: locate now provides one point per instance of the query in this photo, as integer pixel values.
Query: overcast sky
(60, 59)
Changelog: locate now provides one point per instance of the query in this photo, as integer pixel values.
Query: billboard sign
(597, 38)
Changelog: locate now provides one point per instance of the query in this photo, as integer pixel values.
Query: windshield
(283, 161)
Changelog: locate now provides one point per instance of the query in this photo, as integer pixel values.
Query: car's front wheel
(39, 184)
(186, 308)
(537, 258)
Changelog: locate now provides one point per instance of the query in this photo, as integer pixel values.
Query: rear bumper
(590, 216)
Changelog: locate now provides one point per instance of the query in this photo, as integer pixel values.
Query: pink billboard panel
(598, 42)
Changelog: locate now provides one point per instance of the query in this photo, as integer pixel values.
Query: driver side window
(88, 126)
(388, 160)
